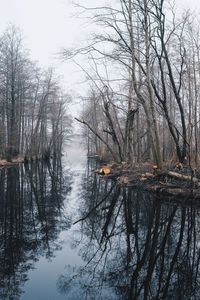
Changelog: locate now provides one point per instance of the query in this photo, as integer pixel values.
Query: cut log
(105, 170)
(148, 175)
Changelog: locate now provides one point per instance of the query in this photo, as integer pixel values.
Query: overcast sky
(48, 25)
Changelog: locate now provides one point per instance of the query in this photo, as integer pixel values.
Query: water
(127, 245)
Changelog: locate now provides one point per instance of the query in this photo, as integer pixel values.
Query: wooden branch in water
(99, 137)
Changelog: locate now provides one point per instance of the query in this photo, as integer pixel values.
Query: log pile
(165, 182)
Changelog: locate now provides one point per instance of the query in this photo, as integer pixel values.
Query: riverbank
(20, 160)
(12, 162)
(181, 183)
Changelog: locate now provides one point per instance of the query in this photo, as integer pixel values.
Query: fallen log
(184, 177)
(179, 176)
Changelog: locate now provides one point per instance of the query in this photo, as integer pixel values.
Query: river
(128, 244)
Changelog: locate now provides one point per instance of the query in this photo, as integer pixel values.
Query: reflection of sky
(43, 279)
(42, 284)
(75, 161)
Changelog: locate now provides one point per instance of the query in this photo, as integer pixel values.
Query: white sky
(48, 25)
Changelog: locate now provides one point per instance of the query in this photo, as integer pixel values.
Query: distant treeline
(33, 119)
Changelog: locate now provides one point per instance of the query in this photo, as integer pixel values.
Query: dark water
(127, 245)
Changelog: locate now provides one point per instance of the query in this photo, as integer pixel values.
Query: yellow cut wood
(105, 170)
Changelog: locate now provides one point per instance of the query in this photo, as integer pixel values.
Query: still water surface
(127, 245)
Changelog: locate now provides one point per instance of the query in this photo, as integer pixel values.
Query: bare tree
(32, 105)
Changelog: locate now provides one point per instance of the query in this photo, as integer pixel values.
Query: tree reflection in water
(30, 220)
(135, 246)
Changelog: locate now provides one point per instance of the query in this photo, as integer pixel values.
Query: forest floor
(178, 183)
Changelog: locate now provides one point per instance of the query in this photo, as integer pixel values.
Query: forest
(142, 102)
(33, 119)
